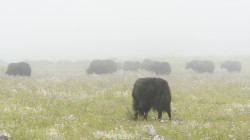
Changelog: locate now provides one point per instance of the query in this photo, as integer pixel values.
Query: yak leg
(135, 108)
(145, 115)
(159, 115)
(169, 113)
(136, 114)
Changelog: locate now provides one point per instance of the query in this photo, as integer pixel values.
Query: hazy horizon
(78, 30)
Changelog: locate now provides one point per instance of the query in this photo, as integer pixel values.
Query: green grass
(78, 106)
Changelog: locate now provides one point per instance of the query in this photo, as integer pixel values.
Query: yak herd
(148, 92)
(159, 68)
(110, 66)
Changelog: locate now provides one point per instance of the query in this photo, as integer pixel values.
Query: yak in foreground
(201, 66)
(151, 93)
(231, 66)
(102, 67)
(19, 69)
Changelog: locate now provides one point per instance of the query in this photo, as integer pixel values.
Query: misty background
(77, 30)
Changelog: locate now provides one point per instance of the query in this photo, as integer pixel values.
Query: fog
(86, 29)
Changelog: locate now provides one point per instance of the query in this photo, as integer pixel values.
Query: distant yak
(19, 69)
(157, 67)
(102, 67)
(119, 65)
(231, 66)
(131, 66)
(147, 63)
(201, 66)
(151, 93)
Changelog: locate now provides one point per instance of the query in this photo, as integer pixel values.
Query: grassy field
(62, 103)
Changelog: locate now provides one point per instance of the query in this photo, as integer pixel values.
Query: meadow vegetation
(64, 103)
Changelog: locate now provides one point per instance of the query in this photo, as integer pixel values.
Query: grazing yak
(151, 93)
(131, 66)
(102, 67)
(201, 66)
(19, 69)
(146, 64)
(119, 65)
(161, 68)
(157, 67)
(231, 66)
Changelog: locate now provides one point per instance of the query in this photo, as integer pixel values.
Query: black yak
(151, 93)
(231, 66)
(201, 66)
(161, 68)
(19, 69)
(131, 66)
(156, 67)
(147, 63)
(119, 65)
(102, 67)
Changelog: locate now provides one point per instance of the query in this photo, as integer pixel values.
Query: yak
(147, 64)
(131, 66)
(150, 93)
(102, 67)
(231, 66)
(201, 66)
(19, 69)
(156, 66)
(119, 65)
(161, 68)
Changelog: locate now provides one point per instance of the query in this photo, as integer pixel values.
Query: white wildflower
(151, 131)
(177, 122)
(117, 134)
(162, 121)
(5, 136)
(53, 133)
(207, 125)
(71, 117)
(158, 137)
(231, 137)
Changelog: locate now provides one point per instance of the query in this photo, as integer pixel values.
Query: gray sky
(88, 29)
